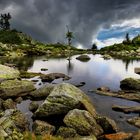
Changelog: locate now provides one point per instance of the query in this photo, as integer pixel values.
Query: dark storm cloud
(46, 20)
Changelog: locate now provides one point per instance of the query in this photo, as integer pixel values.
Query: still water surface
(95, 73)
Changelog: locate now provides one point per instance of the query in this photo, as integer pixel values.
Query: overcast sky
(100, 21)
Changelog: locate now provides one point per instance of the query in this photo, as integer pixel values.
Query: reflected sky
(96, 72)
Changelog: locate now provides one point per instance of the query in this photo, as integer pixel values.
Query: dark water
(95, 73)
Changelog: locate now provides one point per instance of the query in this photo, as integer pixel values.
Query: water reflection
(70, 67)
(22, 63)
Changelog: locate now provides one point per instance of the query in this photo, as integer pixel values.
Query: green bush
(9, 37)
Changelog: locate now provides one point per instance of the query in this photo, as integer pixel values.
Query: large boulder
(42, 128)
(130, 84)
(63, 98)
(83, 122)
(12, 124)
(83, 58)
(8, 72)
(15, 88)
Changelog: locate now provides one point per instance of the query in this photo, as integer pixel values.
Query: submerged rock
(83, 122)
(134, 121)
(42, 128)
(83, 58)
(8, 72)
(64, 97)
(130, 84)
(44, 69)
(52, 76)
(15, 88)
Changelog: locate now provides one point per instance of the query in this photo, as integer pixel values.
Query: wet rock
(44, 69)
(8, 72)
(9, 104)
(52, 76)
(134, 121)
(83, 122)
(64, 97)
(12, 124)
(83, 58)
(15, 88)
(130, 84)
(66, 132)
(42, 92)
(105, 89)
(137, 70)
(42, 128)
(117, 136)
(126, 109)
(81, 84)
(109, 126)
(131, 96)
(33, 106)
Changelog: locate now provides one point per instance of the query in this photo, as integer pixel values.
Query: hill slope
(14, 43)
(126, 49)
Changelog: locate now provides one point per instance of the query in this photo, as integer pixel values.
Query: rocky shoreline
(66, 111)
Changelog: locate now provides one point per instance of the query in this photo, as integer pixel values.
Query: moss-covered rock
(42, 128)
(25, 74)
(9, 104)
(83, 58)
(66, 132)
(130, 84)
(8, 72)
(15, 88)
(64, 97)
(83, 122)
(12, 124)
(33, 106)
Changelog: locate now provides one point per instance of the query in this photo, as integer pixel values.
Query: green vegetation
(9, 37)
(128, 49)
(126, 45)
